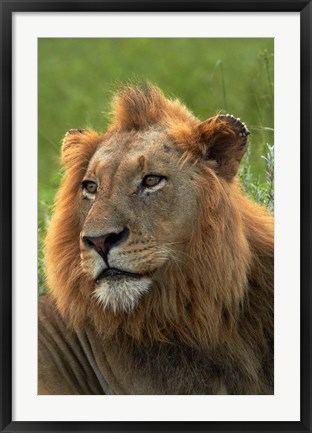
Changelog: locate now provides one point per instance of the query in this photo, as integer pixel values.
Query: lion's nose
(103, 244)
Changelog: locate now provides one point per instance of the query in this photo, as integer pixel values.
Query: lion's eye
(89, 186)
(151, 180)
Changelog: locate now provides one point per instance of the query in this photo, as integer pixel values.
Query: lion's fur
(222, 299)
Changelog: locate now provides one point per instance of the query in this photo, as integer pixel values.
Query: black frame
(7, 8)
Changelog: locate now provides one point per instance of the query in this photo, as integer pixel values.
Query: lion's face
(148, 208)
(136, 209)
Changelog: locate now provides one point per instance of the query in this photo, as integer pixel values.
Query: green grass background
(78, 76)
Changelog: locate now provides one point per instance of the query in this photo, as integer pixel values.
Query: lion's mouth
(117, 273)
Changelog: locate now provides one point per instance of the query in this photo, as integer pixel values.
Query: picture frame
(8, 8)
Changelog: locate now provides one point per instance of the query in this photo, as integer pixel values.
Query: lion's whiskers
(167, 252)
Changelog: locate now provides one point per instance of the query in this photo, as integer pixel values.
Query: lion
(160, 268)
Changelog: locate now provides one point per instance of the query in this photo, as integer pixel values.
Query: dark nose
(103, 244)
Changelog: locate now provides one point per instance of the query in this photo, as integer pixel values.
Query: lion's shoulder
(63, 363)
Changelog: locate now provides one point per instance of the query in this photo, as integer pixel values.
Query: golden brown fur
(216, 294)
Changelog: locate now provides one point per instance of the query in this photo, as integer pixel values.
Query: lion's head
(149, 229)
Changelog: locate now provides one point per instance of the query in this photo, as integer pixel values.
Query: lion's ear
(78, 146)
(223, 139)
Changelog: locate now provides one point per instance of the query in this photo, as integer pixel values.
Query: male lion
(160, 268)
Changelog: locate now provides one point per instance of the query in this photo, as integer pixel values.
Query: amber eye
(89, 186)
(151, 180)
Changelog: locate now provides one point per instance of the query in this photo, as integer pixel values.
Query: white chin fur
(121, 294)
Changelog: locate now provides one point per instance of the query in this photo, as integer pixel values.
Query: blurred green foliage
(78, 76)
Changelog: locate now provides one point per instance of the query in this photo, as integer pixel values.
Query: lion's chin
(121, 294)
